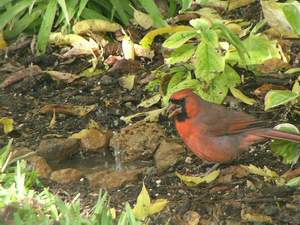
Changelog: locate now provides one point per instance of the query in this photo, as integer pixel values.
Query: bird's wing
(223, 121)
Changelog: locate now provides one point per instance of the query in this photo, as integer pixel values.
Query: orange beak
(173, 110)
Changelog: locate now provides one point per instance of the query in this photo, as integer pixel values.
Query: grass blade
(46, 26)
(13, 11)
(154, 12)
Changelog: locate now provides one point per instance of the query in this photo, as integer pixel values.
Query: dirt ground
(239, 200)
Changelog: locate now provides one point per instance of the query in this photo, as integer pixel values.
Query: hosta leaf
(278, 97)
(181, 54)
(178, 39)
(289, 151)
(208, 63)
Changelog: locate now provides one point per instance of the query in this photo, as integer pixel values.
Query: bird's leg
(212, 168)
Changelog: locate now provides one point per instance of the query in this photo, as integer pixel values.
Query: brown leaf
(21, 75)
(74, 110)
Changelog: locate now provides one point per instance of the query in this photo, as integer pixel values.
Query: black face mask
(181, 103)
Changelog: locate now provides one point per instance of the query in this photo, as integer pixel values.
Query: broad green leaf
(181, 54)
(239, 95)
(208, 63)
(154, 12)
(8, 15)
(185, 4)
(179, 38)
(293, 182)
(278, 97)
(292, 14)
(289, 151)
(141, 209)
(195, 180)
(259, 49)
(218, 88)
(200, 24)
(46, 26)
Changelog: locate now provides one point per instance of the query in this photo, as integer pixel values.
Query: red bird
(215, 133)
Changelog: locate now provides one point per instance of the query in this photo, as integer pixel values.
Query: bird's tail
(281, 135)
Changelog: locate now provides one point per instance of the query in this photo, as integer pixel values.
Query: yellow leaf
(150, 101)
(239, 95)
(2, 41)
(142, 207)
(142, 19)
(95, 25)
(147, 40)
(113, 213)
(127, 82)
(195, 180)
(157, 206)
(265, 172)
(150, 116)
(8, 124)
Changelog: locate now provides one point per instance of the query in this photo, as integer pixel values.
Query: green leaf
(82, 6)
(289, 151)
(208, 63)
(46, 26)
(185, 4)
(278, 97)
(179, 38)
(240, 95)
(259, 49)
(64, 9)
(293, 182)
(7, 16)
(181, 54)
(154, 12)
(23, 23)
(292, 14)
(200, 24)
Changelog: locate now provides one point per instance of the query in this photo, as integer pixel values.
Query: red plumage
(215, 133)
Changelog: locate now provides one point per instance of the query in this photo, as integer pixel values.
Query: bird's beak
(173, 110)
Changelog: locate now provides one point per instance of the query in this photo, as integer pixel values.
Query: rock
(191, 218)
(137, 141)
(40, 165)
(112, 179)
(65, 176)
(58, 149)
(96, 140)
(167, 155)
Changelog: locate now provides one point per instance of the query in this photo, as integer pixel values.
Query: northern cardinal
(215, 133)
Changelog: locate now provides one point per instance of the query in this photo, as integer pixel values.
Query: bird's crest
(182, 94)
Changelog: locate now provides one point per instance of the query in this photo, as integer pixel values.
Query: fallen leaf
(293, 182)
(142, 19)
(128, 47)
(265, 172)
(95, 25)
(20, 75)
(75, 110)
(150, 101)
(150, 116)
(140, 51)
(272, 65)
(127, 82)
(8, 124)
(239, 95)
(265, 88)
(195, 180)
(2, 41)
(255, 217)
(141, 209)
(68, 77)
(157, 206)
